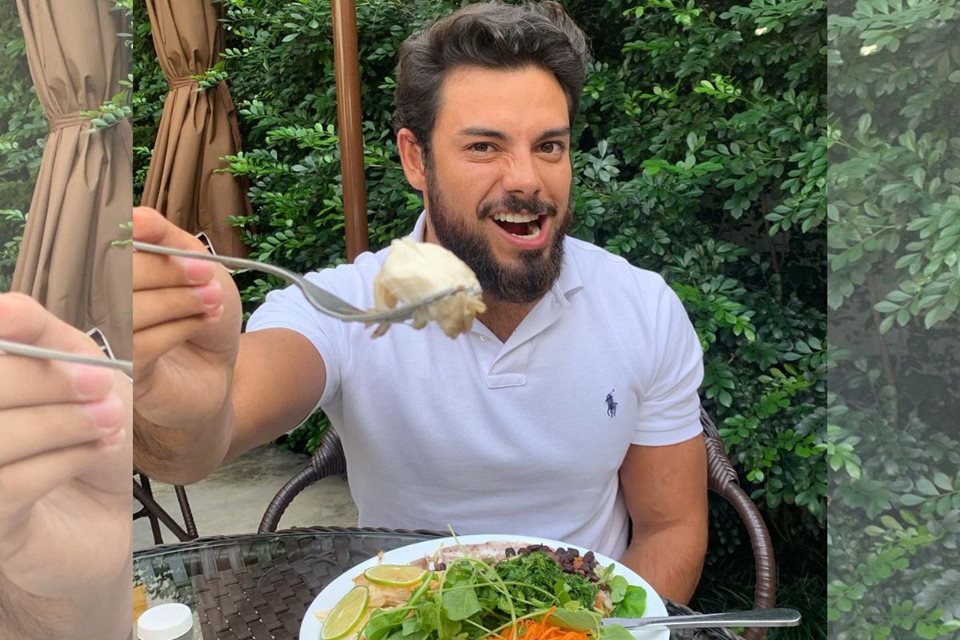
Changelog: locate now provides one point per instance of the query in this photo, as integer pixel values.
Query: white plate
(329, 597)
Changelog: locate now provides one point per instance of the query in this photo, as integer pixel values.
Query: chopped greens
(544, 575)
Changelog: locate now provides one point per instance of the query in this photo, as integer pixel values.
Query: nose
(521, 176)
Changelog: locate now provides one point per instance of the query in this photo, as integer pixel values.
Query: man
(65, 446)
(569, 411)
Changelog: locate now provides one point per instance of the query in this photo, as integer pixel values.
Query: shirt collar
(566, 285)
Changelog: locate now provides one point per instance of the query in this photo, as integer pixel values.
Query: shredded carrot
(541, 629)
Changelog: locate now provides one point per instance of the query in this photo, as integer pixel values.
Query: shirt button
(483, 338)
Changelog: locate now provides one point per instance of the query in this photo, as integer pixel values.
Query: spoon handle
(31, 351)
(754, 618)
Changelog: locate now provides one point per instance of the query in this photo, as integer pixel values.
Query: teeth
(515, 217)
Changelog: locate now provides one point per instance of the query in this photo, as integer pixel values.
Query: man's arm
(203, 393)
(665, 489)
(280, 378)
(277, 381)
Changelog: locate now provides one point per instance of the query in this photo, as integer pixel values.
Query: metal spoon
(753, 618)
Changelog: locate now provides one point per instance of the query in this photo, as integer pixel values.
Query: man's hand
(186, 330)
(65, 485)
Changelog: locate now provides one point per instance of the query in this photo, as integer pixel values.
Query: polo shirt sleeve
(288, 309)
(669, 412)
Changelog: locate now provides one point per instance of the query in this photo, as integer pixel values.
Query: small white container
(171, 621)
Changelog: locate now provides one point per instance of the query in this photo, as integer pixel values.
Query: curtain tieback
(176, 83)
(67, 120)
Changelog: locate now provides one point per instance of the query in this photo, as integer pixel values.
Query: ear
(411, 157)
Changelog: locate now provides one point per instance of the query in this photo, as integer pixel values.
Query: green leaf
(943, 481)
(615, 632)
(887, 323)
(577, 619)
(926, 487)
(919, 177)
(634, 603)
(618, 588)
(460, 604)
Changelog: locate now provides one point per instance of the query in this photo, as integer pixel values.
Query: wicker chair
(156, 514)
(329, 460)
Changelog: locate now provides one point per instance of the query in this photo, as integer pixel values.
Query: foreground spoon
(753, 618)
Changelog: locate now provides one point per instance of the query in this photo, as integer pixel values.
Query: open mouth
(522, 225)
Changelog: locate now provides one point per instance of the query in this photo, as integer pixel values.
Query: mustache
(515, 204)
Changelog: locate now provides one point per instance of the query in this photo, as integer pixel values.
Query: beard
(521, 284)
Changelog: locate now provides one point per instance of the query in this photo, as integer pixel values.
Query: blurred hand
(186, 328)
(65, 474)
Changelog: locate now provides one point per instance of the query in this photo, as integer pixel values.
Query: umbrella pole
(347, 72)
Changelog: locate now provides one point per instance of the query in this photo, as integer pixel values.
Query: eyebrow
(483, 132)
(559, 132)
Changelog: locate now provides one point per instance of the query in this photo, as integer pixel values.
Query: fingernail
(91, 383)
(210, 294)
(107, 414)
(197, 271)
(216, 312)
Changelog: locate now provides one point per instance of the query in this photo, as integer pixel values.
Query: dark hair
(492, 35)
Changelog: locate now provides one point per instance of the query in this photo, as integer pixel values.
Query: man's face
(498, 177)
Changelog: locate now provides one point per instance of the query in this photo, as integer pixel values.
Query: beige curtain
(197, 128)
(84, 188)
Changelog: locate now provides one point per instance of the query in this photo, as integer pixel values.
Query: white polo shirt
(523, 437)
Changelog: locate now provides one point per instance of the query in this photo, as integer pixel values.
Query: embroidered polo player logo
(611, 404)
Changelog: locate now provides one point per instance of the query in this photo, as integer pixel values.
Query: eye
(480, 147)
(552, 147)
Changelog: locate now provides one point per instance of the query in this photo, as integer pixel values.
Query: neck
(428, 233)
(503, 318)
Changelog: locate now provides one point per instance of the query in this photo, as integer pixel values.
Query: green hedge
(700, 154)
(23, 131)
(894, 289)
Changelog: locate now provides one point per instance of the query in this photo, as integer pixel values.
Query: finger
(150, 226)
(22, 319)
(153, 271)
(150, 344)
(26, 481)
(28, 382)
(156, 307)
(30, 432)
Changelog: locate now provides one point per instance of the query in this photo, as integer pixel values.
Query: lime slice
(395, 575)
(345, 617)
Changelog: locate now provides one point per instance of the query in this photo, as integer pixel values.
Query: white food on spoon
(416, 270)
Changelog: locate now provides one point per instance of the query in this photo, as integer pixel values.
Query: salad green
(472, 600)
